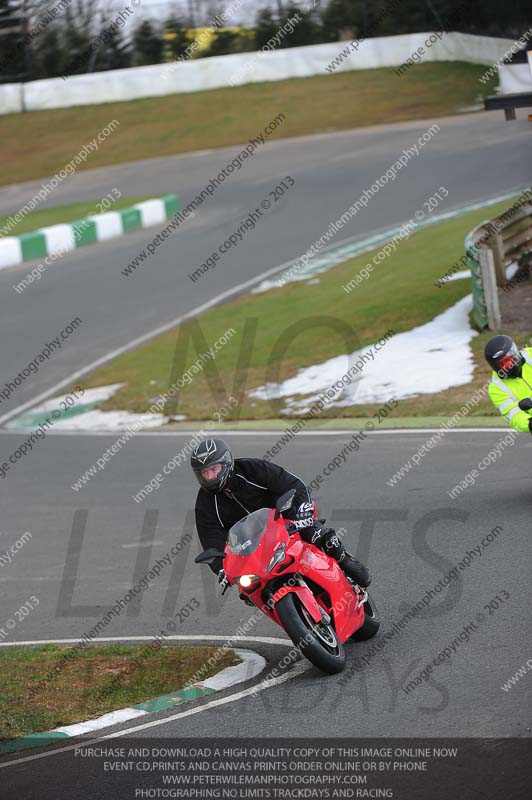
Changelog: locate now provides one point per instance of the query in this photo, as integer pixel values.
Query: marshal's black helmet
(209, 453)
(503, 356)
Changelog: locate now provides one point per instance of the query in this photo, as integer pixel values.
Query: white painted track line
(174, 637)
(277, 432)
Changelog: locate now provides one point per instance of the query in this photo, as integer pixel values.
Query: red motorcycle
(297, 585)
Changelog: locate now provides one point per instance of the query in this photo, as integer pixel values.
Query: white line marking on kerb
(278, 432)
(216, 301)
(174, 637)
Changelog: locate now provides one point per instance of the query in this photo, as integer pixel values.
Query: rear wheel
(317, 641)
(371, 624)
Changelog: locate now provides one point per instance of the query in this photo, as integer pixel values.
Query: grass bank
(96, 681)
(180, 123)
(348, 424)
(69, 213)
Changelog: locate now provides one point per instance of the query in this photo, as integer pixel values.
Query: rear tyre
(317, 641)
(372, 622)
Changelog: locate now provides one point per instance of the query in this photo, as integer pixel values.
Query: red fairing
(329, 589)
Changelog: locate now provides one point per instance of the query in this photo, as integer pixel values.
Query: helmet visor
(214, 476)
(508, 365)
(506, 362)
(211, 473)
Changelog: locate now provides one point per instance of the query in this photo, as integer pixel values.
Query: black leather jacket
(254, 484)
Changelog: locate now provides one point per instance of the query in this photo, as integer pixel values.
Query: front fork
(299, 587)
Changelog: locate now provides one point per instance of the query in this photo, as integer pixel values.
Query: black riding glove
(526, 404)
(223, 580)
(216, 565)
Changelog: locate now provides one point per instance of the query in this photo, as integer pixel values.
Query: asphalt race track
(410, 535)
(88, 546)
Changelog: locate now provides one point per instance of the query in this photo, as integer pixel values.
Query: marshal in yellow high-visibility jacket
(506, 393)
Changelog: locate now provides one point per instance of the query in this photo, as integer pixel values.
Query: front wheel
(372, 622)
(317, 641)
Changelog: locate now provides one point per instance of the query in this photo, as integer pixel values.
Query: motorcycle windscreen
(245, 536)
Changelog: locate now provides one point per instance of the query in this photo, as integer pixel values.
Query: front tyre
(317, 641)
(372, 622)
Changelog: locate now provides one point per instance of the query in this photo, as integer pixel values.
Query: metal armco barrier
(491, 247)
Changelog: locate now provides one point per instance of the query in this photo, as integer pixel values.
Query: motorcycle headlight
(247, 580)
(277, 557)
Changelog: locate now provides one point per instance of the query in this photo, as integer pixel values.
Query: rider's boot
(354, 569)
(350, 565)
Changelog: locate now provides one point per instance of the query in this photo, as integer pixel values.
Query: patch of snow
(89, 397)
(83, 415)
(466, 273)
(430, 358)
(459, 276)
(511, 270)
(96, 420)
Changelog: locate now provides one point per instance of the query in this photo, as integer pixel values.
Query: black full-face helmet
(503, 356)
(212, 463)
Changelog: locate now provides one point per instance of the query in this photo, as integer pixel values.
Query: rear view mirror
(284, 502)
(208, 556)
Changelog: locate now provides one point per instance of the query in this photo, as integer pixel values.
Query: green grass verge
(347, 423)
(90, 684)
(180, 123)
(399, 295)
(69, 213)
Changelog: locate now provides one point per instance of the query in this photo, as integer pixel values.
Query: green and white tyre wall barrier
(59, 239)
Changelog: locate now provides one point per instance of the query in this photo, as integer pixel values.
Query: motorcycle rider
(510, 389)
(232, 488)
